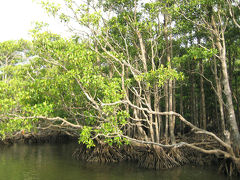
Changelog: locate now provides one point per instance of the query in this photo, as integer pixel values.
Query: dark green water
(54, 162)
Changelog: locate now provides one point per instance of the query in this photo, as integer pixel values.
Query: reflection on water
(54, 162)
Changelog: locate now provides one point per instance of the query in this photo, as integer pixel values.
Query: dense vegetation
(132, 71)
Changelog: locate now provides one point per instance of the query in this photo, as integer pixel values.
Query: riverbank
(155, 157)
(53, 161)
(38, 138)
(145, 156)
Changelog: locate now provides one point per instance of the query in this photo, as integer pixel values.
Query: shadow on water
(55, 162)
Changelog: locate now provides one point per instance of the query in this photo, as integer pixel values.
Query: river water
(55, 162)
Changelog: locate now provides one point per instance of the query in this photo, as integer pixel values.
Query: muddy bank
(145, 156)
(155, 157)
(38, 138)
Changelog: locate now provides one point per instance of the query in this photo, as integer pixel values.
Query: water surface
(55, 162)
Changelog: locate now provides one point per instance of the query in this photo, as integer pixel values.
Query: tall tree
(214, 19)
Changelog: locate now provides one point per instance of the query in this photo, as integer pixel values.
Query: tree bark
(156, 117)
(220, 44)
(230, 108)
(203, 105)
(237, 99)
(219, 96)
(170, 89)
(147, 89)
(181, 109)
(141, 133)
(192, 96)
(174, 101)
(166, 109)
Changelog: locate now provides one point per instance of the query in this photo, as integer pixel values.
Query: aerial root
(159, 158)
(178, 155)
(101, 153)
(229, 167)
(153, 157)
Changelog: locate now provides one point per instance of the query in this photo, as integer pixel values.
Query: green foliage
(160, 76)
(85, 136)
(51, 7)
(10, 52)
(84, 81)
(195, 54)
(52, 83)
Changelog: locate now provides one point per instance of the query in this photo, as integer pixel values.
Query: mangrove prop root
(178, 155)
(151, 157)
(101, 153)
(229, 167)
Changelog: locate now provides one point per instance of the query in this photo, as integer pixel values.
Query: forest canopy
(133, 70)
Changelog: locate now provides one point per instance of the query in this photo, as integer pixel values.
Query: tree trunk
(181, 109)
(127, 107)
(156, 108)
(170, 89)
(230, 108)
(140, 131)
(174, 101)
(220, 44)
(230, 69)
(203, 105)
(166, 109)
(237, 99)
(147, 89)
(192, 97)
(219, 96)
